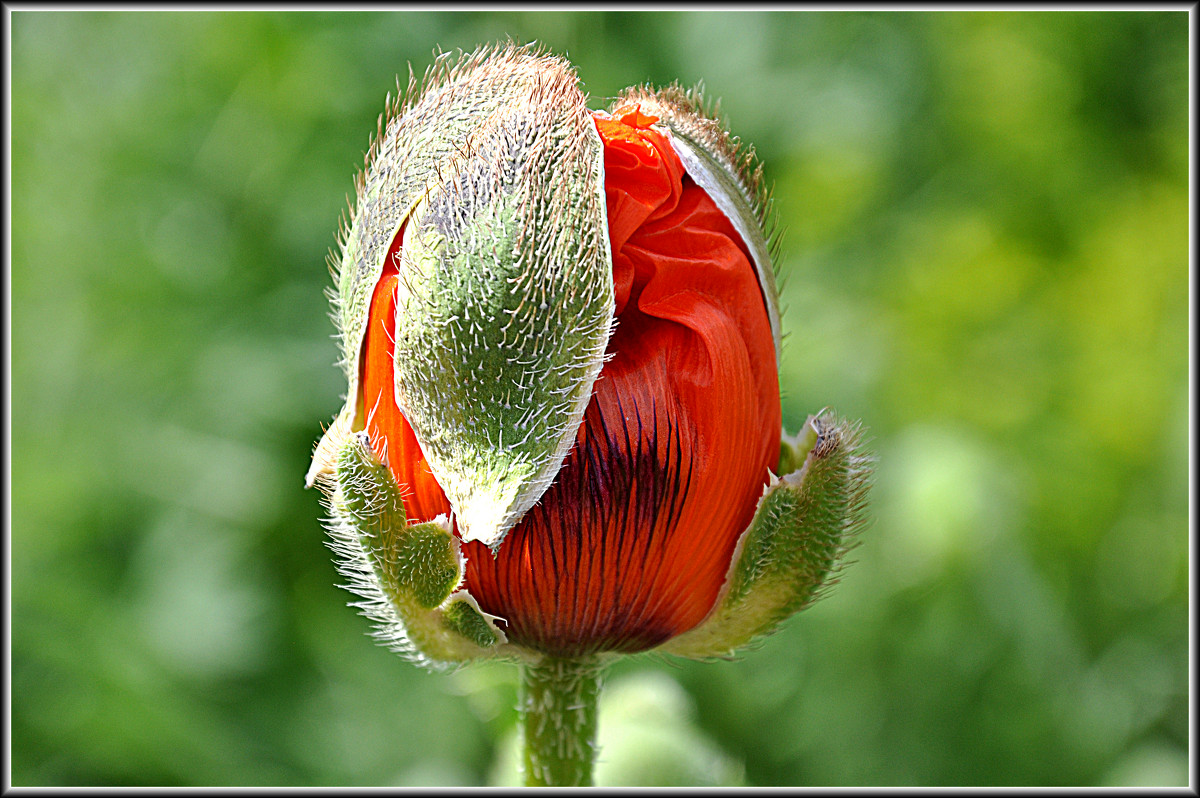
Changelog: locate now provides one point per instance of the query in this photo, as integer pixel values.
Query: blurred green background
(986, 252)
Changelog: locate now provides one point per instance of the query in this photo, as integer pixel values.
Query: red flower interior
(631, 544)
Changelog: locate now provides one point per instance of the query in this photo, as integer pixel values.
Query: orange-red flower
(632, 542)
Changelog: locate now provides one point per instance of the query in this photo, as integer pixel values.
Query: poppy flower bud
(561, 337)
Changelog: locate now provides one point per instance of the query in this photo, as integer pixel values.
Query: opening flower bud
(561, 334)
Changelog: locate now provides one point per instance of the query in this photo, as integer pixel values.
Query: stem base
(558, 720)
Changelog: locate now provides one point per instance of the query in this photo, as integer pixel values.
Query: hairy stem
(558, 720)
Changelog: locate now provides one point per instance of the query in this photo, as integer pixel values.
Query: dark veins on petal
(596, 540)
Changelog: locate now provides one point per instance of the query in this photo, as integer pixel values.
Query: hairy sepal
(493, 175)
(804, 524)
(410, 576)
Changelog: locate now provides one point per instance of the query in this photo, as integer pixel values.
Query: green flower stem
(558, 720)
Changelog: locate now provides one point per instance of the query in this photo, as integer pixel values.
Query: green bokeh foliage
(986, 260)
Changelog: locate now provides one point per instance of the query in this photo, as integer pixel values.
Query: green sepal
(463, 616)
(804, 524)
(408, 574)
(491, 177)
(425, 560)
(418, 563)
